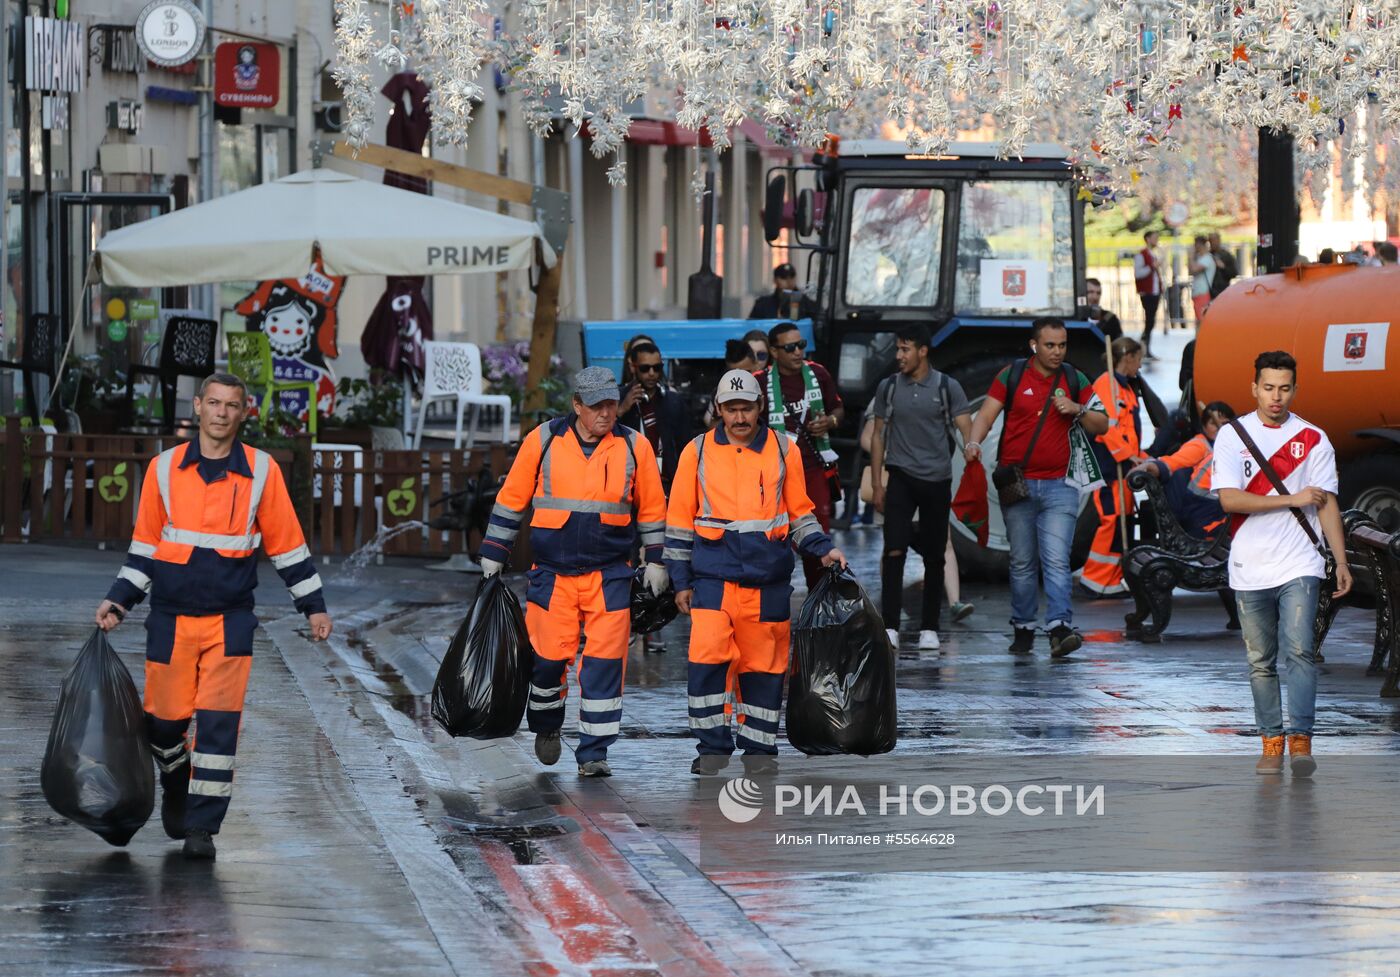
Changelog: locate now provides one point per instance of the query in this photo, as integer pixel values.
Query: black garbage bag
(651, 612)
(484, 681)
(841, 679)
(98, 771)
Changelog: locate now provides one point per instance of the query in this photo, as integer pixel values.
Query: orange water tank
(1342, 325)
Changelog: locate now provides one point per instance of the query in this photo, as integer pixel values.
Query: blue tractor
(973, 246)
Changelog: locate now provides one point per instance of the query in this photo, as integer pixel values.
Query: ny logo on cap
(736, 383)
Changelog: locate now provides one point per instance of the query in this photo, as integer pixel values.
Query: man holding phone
(656, 410)
(786, 301)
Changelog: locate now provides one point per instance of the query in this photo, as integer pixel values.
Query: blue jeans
(1039, 531)
(1280, 619)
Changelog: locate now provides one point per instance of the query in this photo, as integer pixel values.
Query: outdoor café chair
(250, 359)
(38, 357)
(453, 372)
(187, 350)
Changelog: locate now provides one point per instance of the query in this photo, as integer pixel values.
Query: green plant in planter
(272, 428)
(360, 403)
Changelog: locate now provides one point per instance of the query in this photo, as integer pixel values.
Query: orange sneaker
(1271, 760)
(1300, 755)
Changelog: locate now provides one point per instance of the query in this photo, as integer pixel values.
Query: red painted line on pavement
(592, 935)
(502, 864)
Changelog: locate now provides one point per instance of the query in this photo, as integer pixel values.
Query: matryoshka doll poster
(299, 318)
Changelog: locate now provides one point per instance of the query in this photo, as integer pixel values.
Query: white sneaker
(928, 640)
(893, 635)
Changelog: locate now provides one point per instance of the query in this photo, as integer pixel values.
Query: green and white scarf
(1083, 473)
(777, 413)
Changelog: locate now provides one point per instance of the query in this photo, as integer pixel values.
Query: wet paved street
(362, 840)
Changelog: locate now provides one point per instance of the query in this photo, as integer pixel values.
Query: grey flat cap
(595, 384)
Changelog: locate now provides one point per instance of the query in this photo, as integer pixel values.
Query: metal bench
(1176, 559)
(1374, 558)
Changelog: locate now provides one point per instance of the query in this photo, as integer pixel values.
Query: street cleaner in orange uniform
(1187, 474)
(206, 506)
(594, 486)
(738, 504)
(1117, 449)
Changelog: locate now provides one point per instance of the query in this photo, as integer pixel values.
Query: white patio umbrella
(270, 231)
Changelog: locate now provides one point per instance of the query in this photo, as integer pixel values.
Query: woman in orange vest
(205, 508)
(738, 504)
(593, 485)
(1195, 507)
(1117, 447)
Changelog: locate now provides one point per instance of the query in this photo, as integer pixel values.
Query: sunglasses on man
(801, 344)
(648, 367)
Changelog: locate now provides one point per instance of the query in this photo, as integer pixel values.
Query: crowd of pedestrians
(627, 478)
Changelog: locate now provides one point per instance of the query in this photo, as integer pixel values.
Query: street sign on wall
(171, 32)
(247, 74)
(55, 55)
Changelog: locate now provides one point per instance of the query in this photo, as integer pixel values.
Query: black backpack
(1225, 270)
(885, 394)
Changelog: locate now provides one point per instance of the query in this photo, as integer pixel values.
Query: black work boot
(760, 765)
(594, 768)
(199, 846)
(709, 764)
(174, 790)
(547, 747)
(1023, 641)
(1063, 640)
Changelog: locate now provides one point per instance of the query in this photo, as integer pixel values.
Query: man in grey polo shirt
(915, 413)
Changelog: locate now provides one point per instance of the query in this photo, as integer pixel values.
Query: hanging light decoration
(1125, 85)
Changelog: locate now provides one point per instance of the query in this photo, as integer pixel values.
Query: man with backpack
(1044, 399)
(1277, 477)
(592, 486)
(917, 453)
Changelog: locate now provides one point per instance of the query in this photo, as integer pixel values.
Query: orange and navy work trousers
(1103, 570)
(197, 668)
(557, 609)
(739, 640)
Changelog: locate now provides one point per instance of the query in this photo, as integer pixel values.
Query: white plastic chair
(453, 372)
(351, 454)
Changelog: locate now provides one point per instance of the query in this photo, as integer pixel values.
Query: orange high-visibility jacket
(1195, 455)
(584, 506)
(736, 511)
(1122, 440)
(194, 548)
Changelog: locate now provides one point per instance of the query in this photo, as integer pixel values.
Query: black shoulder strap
(1276, 482)
(1015, 371)
(1018, 370)
(1071, 380)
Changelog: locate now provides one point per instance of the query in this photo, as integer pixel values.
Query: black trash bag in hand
(841, 678)
(98, 771)
(484, 681)
(651, 612)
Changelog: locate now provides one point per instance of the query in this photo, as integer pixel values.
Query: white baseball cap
(738, 385)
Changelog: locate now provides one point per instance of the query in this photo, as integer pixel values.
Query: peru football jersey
(1270, 548)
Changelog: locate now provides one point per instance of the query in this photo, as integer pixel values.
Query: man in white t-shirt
(1276, 569)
